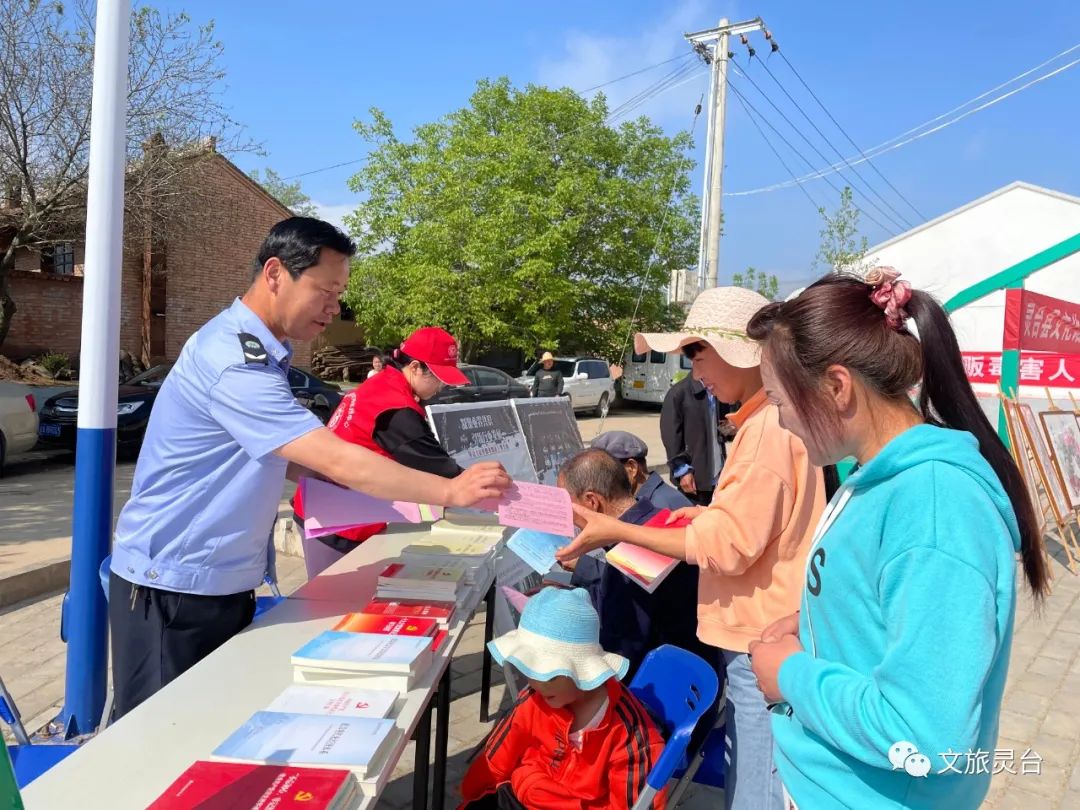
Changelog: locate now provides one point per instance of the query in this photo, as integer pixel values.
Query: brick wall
(209, 263)
(49, 314)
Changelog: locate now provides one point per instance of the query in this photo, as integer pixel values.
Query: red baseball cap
(437, 348)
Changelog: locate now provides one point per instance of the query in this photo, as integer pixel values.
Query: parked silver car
(18, 420)
(586, 381)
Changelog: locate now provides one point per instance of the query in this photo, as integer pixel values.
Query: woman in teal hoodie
(888, 682)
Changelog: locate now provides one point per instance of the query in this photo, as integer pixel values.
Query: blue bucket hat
(559, 634)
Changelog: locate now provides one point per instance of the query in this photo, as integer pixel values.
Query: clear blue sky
(299, 74)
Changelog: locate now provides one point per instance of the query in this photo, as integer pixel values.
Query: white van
(648, 376)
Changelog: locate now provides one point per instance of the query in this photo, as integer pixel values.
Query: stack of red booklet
(390, 624)
(237, 786)
(441, 612)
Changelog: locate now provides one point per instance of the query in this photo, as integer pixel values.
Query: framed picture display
(1022, 455)
(1063, 435)
(1055, 491)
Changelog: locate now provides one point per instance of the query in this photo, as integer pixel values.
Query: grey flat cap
(621, 445)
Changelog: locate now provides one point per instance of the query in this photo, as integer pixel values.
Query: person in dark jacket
(632, 620)
(691, 425)
(548, 381)
(646, 486)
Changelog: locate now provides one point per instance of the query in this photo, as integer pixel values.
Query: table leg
(422, 737)
(485, 673)
(442, 733)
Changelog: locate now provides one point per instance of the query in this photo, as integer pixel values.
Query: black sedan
(321, 398)
(486, 384)
(58, 416)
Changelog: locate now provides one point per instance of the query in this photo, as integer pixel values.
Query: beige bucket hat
(719, 316)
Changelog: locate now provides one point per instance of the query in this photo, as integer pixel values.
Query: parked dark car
(486, 384)
(321, 398)
(58, 416)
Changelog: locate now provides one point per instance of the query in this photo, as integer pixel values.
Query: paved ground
(1041, 713)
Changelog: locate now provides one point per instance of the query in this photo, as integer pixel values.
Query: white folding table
(132, 761)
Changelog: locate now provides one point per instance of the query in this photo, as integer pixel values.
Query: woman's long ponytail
(947, 399)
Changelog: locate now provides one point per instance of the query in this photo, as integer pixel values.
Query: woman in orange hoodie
(750, 543)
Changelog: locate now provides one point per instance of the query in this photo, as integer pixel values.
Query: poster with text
(551, 434)
(483, 431)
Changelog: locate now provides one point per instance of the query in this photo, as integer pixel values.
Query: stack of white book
(363, 660)
(434, 583)
(357, 744)
(335, 701)
(451, 542)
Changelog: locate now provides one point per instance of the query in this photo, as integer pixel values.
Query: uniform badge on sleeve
(254, 351)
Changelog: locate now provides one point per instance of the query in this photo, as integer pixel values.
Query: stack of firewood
(347, 363)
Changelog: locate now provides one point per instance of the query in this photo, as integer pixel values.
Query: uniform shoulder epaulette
(254, 351)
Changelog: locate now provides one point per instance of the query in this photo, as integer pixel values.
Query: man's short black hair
(297, 242)
(598, 471)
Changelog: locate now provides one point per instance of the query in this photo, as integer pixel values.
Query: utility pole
(712, 46)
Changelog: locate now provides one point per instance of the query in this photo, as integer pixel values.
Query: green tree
(765, 283)
(291, 195)
(521, 221)
(842, 248)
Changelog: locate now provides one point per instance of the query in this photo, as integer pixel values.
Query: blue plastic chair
(677, 687)
(709, 766)
(29, 760)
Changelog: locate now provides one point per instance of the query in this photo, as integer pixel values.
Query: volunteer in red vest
(384, 414)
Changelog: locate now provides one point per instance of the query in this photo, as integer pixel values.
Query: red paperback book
(238, 786)
(387, 625)
(409, 609)
(440, 637)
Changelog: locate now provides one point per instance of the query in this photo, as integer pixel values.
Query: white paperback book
(358, 744)
(445, 578)
(363, 660)
(363, 652)
(335, 701)
(455, 520)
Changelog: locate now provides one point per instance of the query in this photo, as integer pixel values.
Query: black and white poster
(483, 431)
(551, 434)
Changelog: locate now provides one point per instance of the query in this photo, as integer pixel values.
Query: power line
(325, 168)
(817, 208)
(675, 78)
(665, 83)
(631, 75)
(981, 96)
(899, 141)
(801, 156)
(832, 146)
(813, 146)
(849, 138)
(652, 254)
(655, 89)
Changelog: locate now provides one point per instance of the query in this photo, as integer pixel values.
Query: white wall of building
(963, 247)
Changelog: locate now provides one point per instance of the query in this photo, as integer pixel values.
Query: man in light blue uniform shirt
(191, 544)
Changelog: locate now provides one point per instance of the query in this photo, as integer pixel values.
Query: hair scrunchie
(889, 294)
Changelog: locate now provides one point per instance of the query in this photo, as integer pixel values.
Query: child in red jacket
(576, 739)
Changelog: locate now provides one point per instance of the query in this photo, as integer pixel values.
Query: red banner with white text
(1036, 368)
(1039, 323)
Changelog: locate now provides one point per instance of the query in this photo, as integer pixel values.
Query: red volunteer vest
(354, 421)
